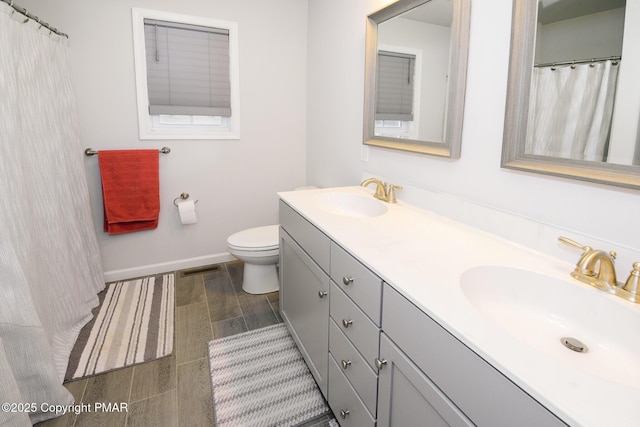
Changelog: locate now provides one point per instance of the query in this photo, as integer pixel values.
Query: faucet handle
(567, 241)
(632, 285)
(391, 193)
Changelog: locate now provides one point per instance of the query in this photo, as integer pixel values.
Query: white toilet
(258, 248)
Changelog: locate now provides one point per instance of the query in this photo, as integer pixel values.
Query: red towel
(130, 190)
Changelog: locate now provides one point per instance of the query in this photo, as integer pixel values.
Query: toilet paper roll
(187, 211)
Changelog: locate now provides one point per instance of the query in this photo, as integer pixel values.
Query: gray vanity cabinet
(379, 359)
(304, 290)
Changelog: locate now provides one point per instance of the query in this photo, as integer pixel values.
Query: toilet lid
(261, 238)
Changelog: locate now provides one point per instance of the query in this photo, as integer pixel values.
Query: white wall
(336, 70)
(235, 181)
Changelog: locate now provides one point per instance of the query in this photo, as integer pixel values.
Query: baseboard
(146, 270)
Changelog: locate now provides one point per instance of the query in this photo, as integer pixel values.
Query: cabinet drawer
(360, 330)
(354, 367)
(311, 239)
(486, 396)
(345, 403)
(360, 283)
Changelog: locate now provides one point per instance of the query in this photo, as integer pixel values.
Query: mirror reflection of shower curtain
(571, 109)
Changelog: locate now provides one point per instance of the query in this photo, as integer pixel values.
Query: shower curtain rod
(29, 16)
(580, 61)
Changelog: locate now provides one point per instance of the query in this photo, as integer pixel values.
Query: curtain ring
(26, 14)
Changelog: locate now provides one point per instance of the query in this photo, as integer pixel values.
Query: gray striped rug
(259, 378)
(134, 325)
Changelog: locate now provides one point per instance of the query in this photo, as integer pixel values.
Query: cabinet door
(406, 397)
(304, 305)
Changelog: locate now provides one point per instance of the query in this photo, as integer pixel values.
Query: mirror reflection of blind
(394, 86)
(187, 69)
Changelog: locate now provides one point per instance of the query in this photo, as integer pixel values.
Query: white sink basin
(349, 204)
(540, 310)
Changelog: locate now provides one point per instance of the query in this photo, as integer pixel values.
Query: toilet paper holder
(183, 196)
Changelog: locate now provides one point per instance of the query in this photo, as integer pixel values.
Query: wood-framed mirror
(578, 50)
(415, 76)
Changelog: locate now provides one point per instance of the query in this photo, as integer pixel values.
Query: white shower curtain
(570, 110)
(50, 269)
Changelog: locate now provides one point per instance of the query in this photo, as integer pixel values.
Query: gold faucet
(597, 264)
(596, 268)
(383, 192)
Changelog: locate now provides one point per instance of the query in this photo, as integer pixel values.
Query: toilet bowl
(258, 249)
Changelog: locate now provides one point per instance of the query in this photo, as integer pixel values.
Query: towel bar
(92, 152)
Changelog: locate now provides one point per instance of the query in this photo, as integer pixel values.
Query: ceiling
(559, 10)
(437, 12)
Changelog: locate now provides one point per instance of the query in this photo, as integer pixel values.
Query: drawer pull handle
(347, 280)
(322, 294)
(345, 364)
(344, 413)
(380, 363)
(346, 322)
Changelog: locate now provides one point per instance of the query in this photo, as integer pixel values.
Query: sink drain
(574, 344)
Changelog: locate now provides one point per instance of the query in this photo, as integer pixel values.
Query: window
(395, 86)
(397, 92)
(186, 76)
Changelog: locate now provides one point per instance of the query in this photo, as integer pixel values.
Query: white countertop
(422, 255)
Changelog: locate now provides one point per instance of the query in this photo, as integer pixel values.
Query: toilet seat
(255, 239)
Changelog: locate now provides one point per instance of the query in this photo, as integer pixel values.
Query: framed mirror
(573, 99)
(415, 76)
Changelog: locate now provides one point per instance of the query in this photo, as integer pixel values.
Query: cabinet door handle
(346, 322)
(345, 364)
(347, 280)
(380, 363)
(322, 294)
(344, 413)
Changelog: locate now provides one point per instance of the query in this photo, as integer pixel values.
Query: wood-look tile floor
(176, 390)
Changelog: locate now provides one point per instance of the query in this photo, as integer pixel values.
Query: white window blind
(394, 86)
(187, 69)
